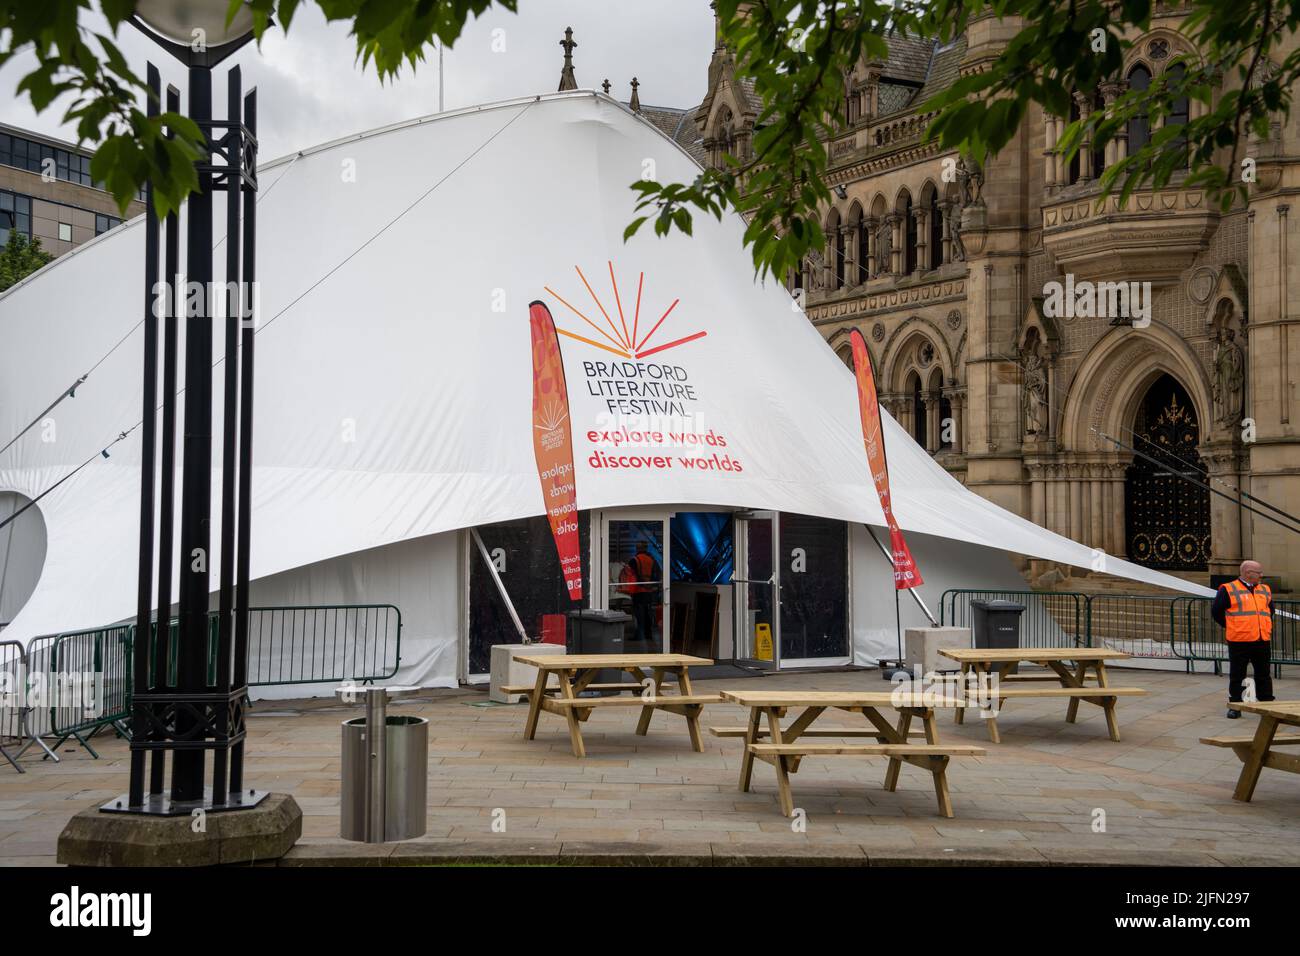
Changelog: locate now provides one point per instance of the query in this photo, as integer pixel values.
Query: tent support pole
(912, 591)
(501, 588)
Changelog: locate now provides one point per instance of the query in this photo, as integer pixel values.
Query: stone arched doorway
(1167, 518)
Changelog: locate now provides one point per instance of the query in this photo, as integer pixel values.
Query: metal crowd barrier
(1175, 627)
(327, 644)
(36, 720)
(1139, 624)
(73, 685)
(321, 644)
(13, 685)
(1051, 618)
(91, 688)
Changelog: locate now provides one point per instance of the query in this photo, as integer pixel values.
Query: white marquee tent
(394, 381)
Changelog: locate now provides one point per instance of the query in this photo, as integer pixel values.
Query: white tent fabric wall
(393, 361)
(22, 554)
(420, 577)
(945, 564)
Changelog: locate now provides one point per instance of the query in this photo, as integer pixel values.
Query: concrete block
(922, 646)
(506, 671)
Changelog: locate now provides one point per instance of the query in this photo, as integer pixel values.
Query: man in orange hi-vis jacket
(1244, 609)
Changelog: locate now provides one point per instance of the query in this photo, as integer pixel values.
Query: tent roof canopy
(393, 384)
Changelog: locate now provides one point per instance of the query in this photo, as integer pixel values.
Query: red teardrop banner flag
(906, 574)
(553, 445)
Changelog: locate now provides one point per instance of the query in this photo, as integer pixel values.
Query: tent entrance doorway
(630, 550)
(755, 590)
(791, 590)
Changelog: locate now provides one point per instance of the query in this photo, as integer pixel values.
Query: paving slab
(1029, 800)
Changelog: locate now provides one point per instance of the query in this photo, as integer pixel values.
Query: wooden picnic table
(1002, 663)
(784, 751)
(1258, 752)
(578, 672)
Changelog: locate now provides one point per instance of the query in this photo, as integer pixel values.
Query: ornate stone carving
(1229, 374)
(954, 320)
(1201, 285)
(816, 271)
(1033, 360)
(970, 182)
(952, 217)
(878, 332)
(885, 246)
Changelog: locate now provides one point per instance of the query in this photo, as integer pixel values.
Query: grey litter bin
(599, 631)
(385, 782)
(996, 624)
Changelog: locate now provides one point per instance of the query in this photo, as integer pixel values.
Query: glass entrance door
(757, 589)
(814, 576)
(630, 558)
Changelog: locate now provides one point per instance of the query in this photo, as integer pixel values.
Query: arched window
(864, 249)
(1097, 154)
(919, 430)
(936, 231)
(944, 437)
(834, 250)
(1179, 113)
(1076, 161)
(909, 235)
(946, 433)
(1139, 128)
(840, 253)
(879, 241)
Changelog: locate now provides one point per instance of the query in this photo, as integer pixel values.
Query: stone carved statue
(1034, 397)
(884, 247)
(816, 271)
(970, 181)
(954, 230)
(1229, 378)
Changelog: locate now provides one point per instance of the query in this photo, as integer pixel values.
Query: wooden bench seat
(868, 750)
(660, 701)
(554, 688)
(1279, 740)
(1103, 697)
(810, 732)
(933, 758)
(1009, 693)
(1037, 677)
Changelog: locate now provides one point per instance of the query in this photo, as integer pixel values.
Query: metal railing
(325, 644)
(307, 644)
(1143, 625)
(35, 721)
(74, 684)
(90, 684)
(1174, 627)
(13, 686)
(1051, 618)
(1195, 635)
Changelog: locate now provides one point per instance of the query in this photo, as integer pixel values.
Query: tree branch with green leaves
(109, 107)
(797, 56)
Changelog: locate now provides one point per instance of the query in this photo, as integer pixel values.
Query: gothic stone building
(948, 279)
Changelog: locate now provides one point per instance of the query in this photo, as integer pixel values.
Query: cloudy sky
(310, 91)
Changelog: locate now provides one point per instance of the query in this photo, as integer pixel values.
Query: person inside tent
(642, 571)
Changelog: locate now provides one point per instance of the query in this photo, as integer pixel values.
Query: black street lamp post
(189, 684)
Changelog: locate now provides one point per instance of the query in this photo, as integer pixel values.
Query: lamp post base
(266, 831)
(162, 805)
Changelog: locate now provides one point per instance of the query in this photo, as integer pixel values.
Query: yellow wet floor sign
(763, 642)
